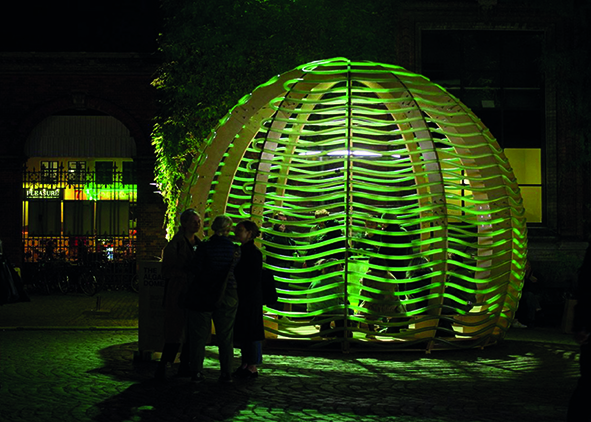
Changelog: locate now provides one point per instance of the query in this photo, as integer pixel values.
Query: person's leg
(223, 319)
(251, 353)
(199, 327)
(185, 358)
(529, 300)
(169, 352)
(341, 327)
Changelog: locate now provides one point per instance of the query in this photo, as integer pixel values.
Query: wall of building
(34, 86)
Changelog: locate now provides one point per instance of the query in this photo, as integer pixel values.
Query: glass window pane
(532, 202)
(78, 218)
(44, 218)
(104, 172)
(112, 218)
(522, 128)
(526, 164)
(129, 173)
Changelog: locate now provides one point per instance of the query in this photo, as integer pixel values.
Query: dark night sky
(83, 25)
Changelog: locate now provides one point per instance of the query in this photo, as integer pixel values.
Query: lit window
(497, 75)
(76, 172)
(49, 171)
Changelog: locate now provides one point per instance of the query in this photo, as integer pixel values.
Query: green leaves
(215, 52)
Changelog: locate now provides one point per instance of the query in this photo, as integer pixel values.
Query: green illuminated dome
(386, 205)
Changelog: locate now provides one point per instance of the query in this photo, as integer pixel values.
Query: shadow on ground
(512, 381)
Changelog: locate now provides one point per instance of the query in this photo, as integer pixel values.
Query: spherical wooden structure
(388, 209)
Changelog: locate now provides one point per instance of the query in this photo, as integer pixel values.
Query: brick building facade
(34, 86)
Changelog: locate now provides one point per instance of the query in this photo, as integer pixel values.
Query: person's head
(327, 265)
(246, 230)
(371, 224)
(190, 221)
(321, 214)
(280, 226)
(222, 225)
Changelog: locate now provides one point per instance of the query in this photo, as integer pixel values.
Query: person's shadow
(366, 383)
(173, 399)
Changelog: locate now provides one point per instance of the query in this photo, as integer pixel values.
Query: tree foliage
(215, 52)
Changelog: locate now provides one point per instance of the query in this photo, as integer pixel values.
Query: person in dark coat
(177, 262)
(248, 328)
(579, 408)
(213, 295)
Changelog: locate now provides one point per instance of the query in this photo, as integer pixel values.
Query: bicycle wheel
(42, 284)
(43, 287)
(63, 283)
(135, 283)
(88, 284)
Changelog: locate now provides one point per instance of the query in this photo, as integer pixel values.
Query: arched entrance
(80, 194)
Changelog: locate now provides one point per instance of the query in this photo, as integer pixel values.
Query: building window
(76, 172)
(44, 217)
(104, 172)
(49, 172)
(497, 74)
(129, 174)
(78, 218)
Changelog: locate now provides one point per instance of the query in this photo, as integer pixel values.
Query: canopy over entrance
(390, 214)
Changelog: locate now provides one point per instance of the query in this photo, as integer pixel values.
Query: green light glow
(373, 143)
(96, 193)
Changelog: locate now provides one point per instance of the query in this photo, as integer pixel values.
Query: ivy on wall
(215, 52)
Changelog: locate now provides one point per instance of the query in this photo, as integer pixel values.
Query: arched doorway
(80, 194)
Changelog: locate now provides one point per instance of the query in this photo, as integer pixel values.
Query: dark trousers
(252, 353)
(199, 324)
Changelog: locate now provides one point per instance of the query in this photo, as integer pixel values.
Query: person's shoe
(197, 377)
(225, 378)
(517, 324)
(245, 374)
(240, 373)
(252, 375)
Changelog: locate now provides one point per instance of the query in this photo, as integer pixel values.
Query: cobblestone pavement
(115, 309)
(62, 374)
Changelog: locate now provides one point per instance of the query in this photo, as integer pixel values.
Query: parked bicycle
(50, 275)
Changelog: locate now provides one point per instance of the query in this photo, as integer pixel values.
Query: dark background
(91, 26)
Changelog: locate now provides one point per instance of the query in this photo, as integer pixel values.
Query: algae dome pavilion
(390, 215)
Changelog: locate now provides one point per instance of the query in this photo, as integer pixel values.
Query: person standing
(327, 294)
(249, 329)
(212, 295)
(380, 301)
(177, 260)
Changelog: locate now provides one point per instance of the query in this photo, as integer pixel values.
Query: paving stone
(53, 372)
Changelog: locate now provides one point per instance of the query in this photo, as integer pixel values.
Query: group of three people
(213, 280)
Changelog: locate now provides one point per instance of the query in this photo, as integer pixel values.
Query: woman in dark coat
(177, 269)
(248, 326)
(212, 295)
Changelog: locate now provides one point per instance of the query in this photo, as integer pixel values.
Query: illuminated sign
(43, 193)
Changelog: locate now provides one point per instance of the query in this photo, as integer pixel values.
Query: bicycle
(50, 275)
